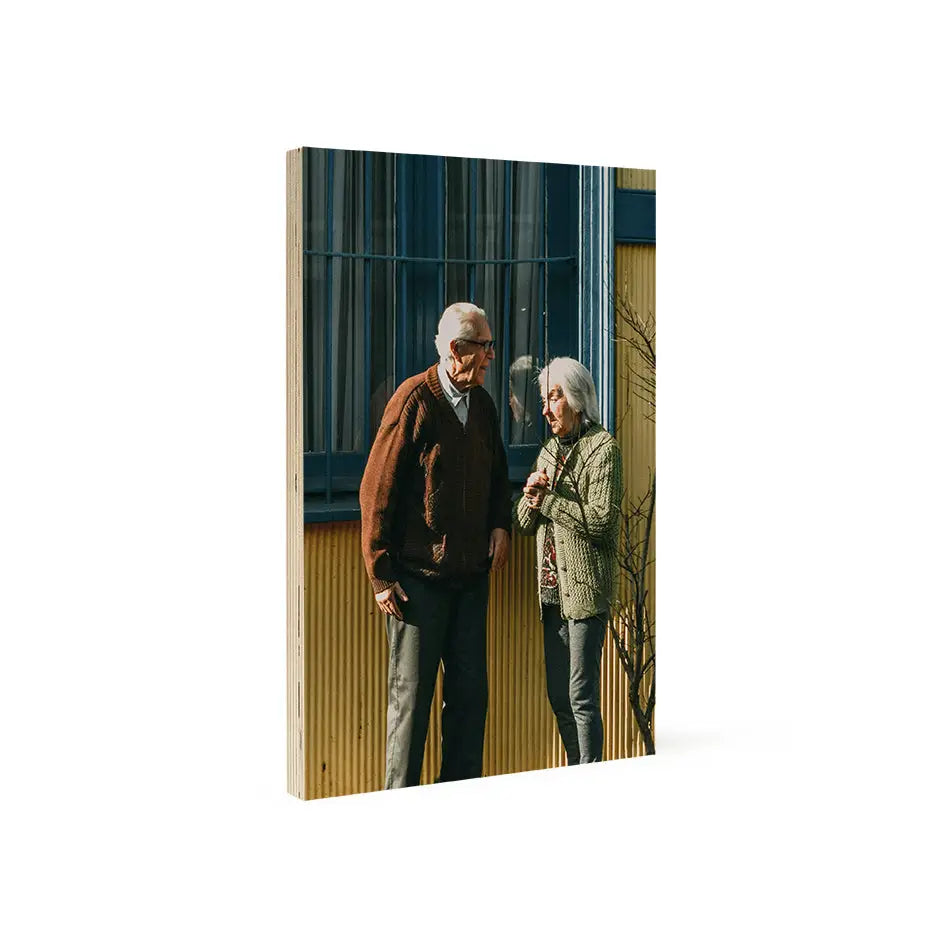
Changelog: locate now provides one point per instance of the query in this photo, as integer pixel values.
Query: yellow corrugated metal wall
(347, 667)
(635, 278)
(346, 645)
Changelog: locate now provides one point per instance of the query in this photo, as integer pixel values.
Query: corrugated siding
(635, 278)
(347, 662)
(347, 668)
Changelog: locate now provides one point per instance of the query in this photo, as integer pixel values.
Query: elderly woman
(571, 502)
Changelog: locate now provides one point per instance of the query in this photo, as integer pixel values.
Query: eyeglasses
(488, 346)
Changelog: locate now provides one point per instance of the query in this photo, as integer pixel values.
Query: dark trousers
(439, 624)
(572, 656)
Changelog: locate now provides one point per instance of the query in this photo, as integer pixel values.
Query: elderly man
(436, 512)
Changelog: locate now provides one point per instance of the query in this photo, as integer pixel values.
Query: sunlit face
(472, 357)
(563, 419)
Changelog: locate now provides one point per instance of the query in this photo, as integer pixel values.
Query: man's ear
(453, 348)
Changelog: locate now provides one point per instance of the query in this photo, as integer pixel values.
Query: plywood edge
(296, 689)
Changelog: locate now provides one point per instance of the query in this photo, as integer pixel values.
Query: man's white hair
(459, 321)
(575, 382)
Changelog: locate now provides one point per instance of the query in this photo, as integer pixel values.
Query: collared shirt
(459, 400)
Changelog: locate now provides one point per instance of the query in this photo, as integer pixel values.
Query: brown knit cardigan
(433, 491)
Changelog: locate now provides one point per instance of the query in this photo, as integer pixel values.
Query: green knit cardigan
(584, 507)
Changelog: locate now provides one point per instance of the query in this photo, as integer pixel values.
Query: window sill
(343, 507)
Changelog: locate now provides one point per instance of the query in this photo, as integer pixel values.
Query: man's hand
(535, 488)
(498, 548)
(387, 600)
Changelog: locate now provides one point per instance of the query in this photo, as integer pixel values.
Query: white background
(142, 512)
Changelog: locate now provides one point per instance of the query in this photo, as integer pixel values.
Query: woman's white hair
(459, 321)
(575, 382)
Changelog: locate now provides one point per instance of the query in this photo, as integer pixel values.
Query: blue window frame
(389, 240)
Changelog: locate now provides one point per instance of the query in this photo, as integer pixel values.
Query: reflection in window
(524, 400)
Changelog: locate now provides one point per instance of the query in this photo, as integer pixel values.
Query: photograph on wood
(471, 360)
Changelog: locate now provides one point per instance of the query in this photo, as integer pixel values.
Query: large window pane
(367, 318)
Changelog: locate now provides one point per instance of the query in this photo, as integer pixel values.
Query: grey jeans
(440, 624)
(572, 657)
